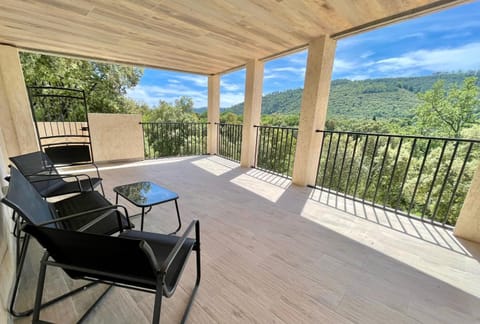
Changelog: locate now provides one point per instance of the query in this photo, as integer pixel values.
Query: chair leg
(85, 315)
(178, 217)
(158, 302)
(40, 284)
(21, 262)
(199, 269)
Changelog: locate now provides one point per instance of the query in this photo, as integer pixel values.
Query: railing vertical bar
(257, 143)
(434, 179)
(320, 157)
(268, 150)
(281, 152)
(326, 161)
(222, 132)
(288, 143)
(387, 196)
(445, 180)
(454, 191)
(351, 164)
(380, 174)
(399, 197)
(278, 147)
(339, 182)
(334, 160)
(360, 167)
(367, 183)
(420, 172)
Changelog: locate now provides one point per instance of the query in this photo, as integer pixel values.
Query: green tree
(447, 111)
(105, 85)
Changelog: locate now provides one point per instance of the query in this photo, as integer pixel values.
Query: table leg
(178, 217)
(143, 215)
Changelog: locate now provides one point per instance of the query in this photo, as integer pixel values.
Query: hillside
(379, 98)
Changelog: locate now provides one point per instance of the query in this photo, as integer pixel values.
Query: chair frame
(103, 211)
(48, 171)
(23, 253)
(161, 288)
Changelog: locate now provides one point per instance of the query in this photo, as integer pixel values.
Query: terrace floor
(276, 253)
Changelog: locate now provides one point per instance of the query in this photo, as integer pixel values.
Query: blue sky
(445, 41)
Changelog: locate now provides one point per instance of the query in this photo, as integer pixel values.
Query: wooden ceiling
(198, 36)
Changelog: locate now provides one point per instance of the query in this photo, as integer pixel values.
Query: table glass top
(145, 193)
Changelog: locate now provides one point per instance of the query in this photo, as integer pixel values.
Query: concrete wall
(7, 243)
(468, 223)
(16, 120)
(116, 137)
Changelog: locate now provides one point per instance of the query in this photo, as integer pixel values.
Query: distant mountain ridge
(370, 98)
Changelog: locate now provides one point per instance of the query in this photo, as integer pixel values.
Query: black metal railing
(275, 149)
(229, 140)
(425, 177)
(174, 139)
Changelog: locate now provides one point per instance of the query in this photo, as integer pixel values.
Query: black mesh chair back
(69, 154)
(40, 170)
(23, 198)
(87, 211)
(149, 262)
(37, 165)
(112, 258)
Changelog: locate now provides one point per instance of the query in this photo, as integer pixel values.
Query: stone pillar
(213, 113)
(468, 223)
(313, 112)
(16, 122)
(252, 110)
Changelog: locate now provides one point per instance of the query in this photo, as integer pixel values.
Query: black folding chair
(89, 212)
(41, 171)
(143, 261)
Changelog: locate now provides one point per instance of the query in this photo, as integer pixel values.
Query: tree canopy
(105, 85)
(448, 111)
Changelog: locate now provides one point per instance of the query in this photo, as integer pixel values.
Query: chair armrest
(48, 177)
(93, 222)
(173, 253)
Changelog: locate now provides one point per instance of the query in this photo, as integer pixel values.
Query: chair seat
(85, 202)
(161, 246)
(68, 187)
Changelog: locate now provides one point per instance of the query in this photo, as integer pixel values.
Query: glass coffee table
(146, 194)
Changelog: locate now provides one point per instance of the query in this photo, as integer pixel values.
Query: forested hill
(379, 98)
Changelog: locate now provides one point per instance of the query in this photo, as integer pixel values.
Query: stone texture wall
(116, 137)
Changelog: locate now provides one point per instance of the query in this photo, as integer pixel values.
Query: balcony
(276, 252)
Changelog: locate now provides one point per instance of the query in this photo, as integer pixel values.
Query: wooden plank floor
(276, 253)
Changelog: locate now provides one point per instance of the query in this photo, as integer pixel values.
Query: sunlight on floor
(215, 165)
(267, 186)
(401, 247)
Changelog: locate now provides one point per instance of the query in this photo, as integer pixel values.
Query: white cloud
(291, 69)
(229, 86)
(231, 98)
(465, 57)
(198, 80)
(340, 65)
(152, 94)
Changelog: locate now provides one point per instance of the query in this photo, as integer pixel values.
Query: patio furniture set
(76, 233)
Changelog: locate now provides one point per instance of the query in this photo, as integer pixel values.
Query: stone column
(252, 110)
(213, 113)
(16, 122)
(313, 112)
(468, 223)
